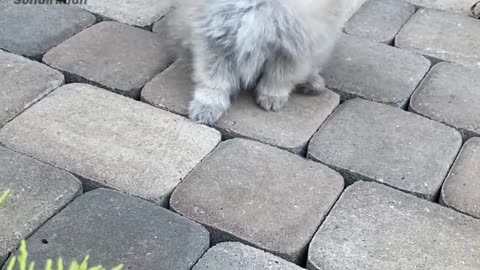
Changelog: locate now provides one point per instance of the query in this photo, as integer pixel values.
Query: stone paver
(111, 140)
(442, 35)
(141, 13)
(116, 56)
(161, 27)
(450, 94)
(380, 20)
(365, 140)
(31, 30)
(38, 191)
(458, 6)
(353, 7)
(23, 82)
(237, 256)
(461, 190)
(374, 71)
(290, 129)
(250, 192)
(376, 227)
(114, 228)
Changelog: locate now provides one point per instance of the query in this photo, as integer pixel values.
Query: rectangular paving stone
(141, 13)
(450, 94)
(32, 30)
(376, 227)
(369, 141)
(461, 190)
(442, 36)
(373, 71)
(22, 83)
(457, 6)
(350, 9)
(110, 140)
(380, 20)
(113, 229)
(116, 56)
(258, 194)
(237, 256)
(290, 129)
(38, 191)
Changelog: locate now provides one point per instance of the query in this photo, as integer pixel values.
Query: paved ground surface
(381, 171)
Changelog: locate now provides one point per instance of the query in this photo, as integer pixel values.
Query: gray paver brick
(141, 13)
(254, 193)
(376, 227)
(380, 20)
(23, 82)
(116, 56)
(374, 71)
(111, 140)
(352, 8)
(449, 94)
(442, 35)
(161, 26)
(458, 6)
(290, 129)
(237, 256)
(461, 190)
(38, 191)
(365, 140)
(31, 30)
(114, 228)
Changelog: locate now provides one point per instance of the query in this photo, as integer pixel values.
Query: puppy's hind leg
(215, 83)
(278, 80)
(314, 85)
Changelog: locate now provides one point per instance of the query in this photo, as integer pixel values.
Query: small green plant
(22, 262)
(4, 196)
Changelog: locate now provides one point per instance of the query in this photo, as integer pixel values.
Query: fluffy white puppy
(271, 46)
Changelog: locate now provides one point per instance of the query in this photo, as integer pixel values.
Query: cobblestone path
(380, 172)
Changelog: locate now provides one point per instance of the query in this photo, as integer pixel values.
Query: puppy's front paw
(272, 103)
(206, 114)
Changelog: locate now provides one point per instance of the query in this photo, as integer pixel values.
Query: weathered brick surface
(38, 191)
(23, 82)
(114, 228)
(111, 140)
(442, 35)
(352, 8)
(161, 26)
(461, 190)
(116, 56)
(450, 94)
(380, 20)
(365, 140)
(237, 256)
(250, 192)
(290, 129)
(31, 30)
(140, 13)
(376, 227)
(458, 6)
(363, 68)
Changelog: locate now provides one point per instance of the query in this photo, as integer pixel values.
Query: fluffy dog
(271, 46)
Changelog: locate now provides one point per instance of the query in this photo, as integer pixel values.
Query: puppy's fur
(271, 46)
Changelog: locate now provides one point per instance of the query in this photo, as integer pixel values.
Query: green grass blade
(22, 260)
(4, 196)
(118, 267)
(11, 263)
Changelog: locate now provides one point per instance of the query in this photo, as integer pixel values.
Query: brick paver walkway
(381, 171)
